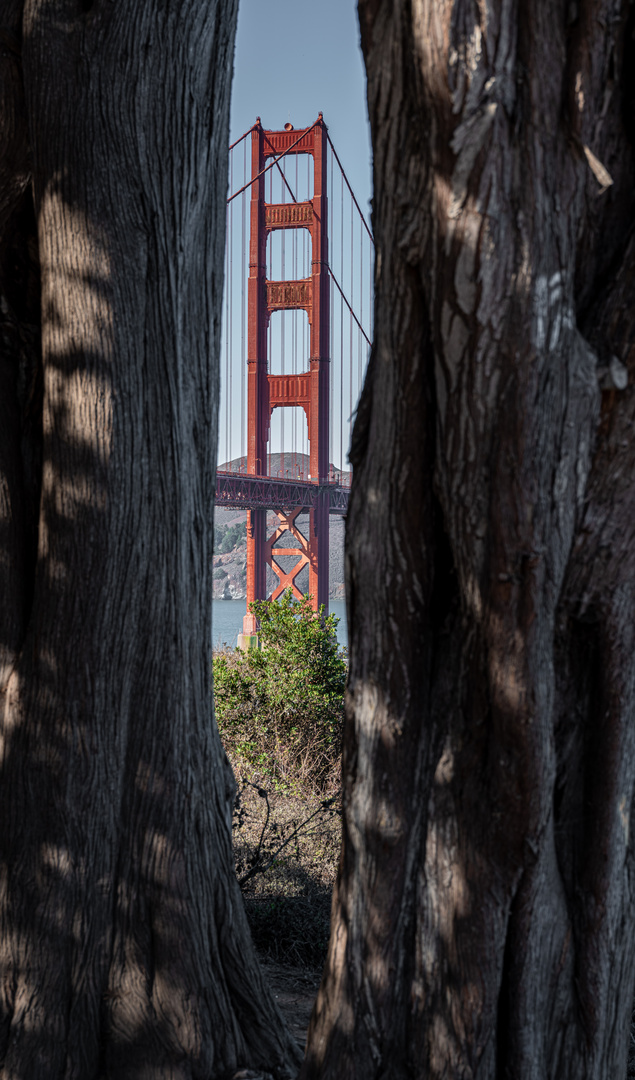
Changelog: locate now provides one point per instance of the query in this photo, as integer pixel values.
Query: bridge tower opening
(308, 390)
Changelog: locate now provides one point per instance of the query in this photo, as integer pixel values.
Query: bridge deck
(241, 490)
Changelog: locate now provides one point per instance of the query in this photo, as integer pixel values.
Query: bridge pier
(319, 552)
(249, 638)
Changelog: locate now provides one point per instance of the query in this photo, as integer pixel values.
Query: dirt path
(294, 989)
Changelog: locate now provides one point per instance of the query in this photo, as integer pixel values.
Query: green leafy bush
(279, 708)
(228, 537)
(234, 536)
(219, 534)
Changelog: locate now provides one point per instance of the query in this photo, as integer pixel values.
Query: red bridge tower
(309, 389)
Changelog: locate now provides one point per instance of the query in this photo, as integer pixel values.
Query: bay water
(227, 621)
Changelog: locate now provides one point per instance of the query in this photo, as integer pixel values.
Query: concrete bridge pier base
(249, 638)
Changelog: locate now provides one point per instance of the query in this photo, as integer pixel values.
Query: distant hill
(290, 466)
(230, 535)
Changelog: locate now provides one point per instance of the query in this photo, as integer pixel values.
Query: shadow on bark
(125, 948)
(482, 920)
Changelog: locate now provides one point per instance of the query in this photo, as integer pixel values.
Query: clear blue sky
(295, 59)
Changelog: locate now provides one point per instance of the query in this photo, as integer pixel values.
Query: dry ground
(294, 990)
(289, 844)
(288, 905)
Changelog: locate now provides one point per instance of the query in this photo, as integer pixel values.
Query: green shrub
(280, 708)
(234, 536)
(228, 537)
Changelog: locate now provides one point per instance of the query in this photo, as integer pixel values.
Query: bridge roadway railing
(244, 491)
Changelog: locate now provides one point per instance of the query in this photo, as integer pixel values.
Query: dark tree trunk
(483, 919)
(125, 951)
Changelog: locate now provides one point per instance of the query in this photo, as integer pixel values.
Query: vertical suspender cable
(360, 365)
(294, 320)
(227, 321)
(332, 389)
(230, 314)
(307, 329)
(371, 275)
(361, 313)
(330, 233)
(307, 250)
(234, 331)
(361, 277)
(351, 328)
(305, 365)
(341, 324)
(243, 356)
(284, 320)
(297, 360)
(269, 275)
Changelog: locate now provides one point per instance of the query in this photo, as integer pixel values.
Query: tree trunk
(483, 923)
(125, 950)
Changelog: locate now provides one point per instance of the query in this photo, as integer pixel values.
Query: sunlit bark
(125, 951)
(483, 923)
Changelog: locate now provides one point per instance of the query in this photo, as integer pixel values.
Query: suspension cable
(248, 132)
(230, 342)
(341, 316)
(339, 289)
(283, 327)
(331, 312)
(228, 327)
(294, 331)
(243, 298)
(350, 342)
(276, 160)
(291, 360)
(349, 187)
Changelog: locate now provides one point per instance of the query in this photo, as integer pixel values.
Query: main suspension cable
(343, 295)
(350, 189)
(248, 132)
(275, 161)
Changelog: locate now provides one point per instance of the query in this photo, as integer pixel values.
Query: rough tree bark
(123, 942)
(483, 919)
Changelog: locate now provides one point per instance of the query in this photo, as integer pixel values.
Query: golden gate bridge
(296, 336)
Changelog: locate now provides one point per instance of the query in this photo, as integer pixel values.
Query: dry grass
(279, 712)
(287, 840)
(287, 850)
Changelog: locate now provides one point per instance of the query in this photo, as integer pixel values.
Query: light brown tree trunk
(483, 919)
(124, 947)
